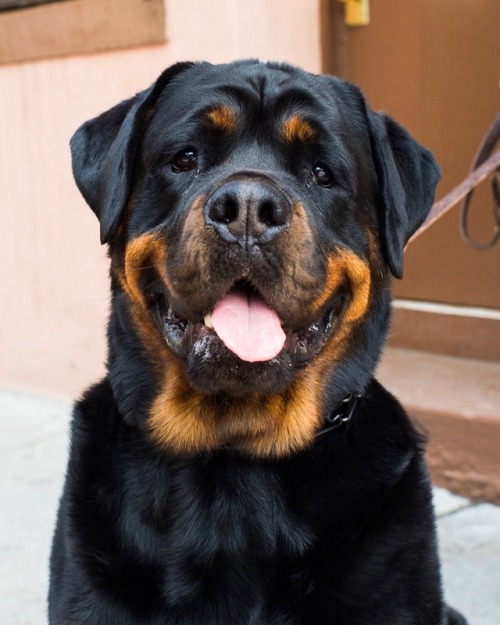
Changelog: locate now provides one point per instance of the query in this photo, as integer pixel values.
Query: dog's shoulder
(383, 425)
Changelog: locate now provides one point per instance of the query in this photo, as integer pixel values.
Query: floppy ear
(407, 178)
(103, 153)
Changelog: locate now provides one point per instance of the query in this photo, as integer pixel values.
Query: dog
(239, 464)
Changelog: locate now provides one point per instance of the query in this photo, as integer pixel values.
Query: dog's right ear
(103, 153)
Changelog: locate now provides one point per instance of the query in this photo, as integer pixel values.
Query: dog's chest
(227, 532)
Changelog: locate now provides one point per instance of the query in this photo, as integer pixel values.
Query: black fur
(339, 532)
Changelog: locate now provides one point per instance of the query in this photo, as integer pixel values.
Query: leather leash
(483, 166)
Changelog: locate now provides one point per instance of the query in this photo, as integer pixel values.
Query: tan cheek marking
(143, 253)
(334, 278)
(346, 268)
(358, 273)
(297, 128)
(224, 118)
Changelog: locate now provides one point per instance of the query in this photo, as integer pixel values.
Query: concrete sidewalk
(33, 447)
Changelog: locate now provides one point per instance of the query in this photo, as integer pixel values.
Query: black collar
(342, 413)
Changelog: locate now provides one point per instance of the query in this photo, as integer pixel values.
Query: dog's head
(253, 212)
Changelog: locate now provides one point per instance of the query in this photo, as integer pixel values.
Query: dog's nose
(247, 212)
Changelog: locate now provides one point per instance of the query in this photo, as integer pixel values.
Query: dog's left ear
(103, 151)
(407, 177)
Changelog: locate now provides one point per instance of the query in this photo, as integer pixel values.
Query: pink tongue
(248, 327)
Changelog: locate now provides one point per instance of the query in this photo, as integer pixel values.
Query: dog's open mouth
(243, 325)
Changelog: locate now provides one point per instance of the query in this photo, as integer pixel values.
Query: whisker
(155, 282)
(141, 268)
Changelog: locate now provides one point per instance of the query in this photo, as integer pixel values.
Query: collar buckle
(342, 414)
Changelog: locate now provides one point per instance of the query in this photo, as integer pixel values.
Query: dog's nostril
(266, 211)
(272, 214)
(224, 211)
(231, 210)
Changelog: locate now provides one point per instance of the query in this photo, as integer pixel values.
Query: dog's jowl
(239, 464)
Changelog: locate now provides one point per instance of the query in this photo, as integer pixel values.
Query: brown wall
(54, 272)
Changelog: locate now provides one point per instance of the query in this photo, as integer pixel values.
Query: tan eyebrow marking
(297, 128)
(223, 117)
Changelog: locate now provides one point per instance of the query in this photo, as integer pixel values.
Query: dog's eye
(184, 161)
(322, 175)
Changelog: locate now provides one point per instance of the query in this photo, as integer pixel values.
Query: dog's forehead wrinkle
(242, 83)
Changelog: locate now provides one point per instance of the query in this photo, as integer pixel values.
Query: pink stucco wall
(54, 272)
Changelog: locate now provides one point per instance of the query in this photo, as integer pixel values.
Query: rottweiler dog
(239, 464)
